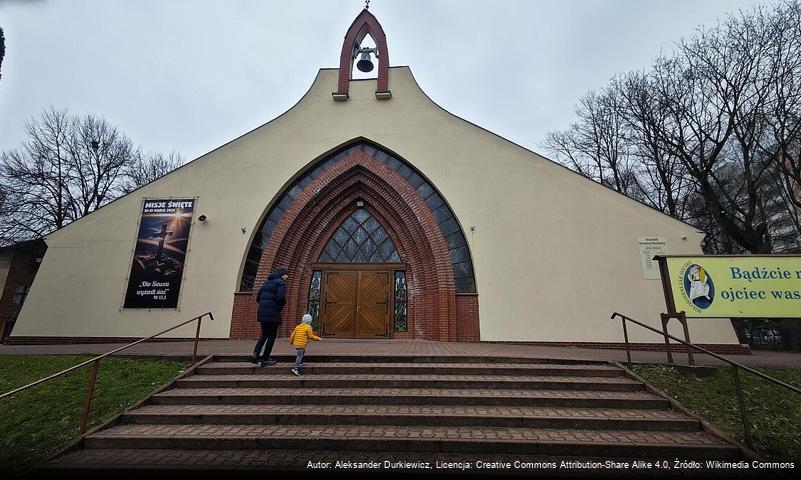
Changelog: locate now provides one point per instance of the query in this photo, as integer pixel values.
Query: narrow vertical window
(314, 298)
(21, 293)
(400, 302)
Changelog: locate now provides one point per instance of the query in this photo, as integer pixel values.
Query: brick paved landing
(429, 368)
(230, 413)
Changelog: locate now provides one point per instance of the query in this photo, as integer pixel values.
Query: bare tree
(565, 147)
(147, 167)
(2, 50)
(783, 143)
(721, 100)
(596, 145)
(788, 165)
(717, 121)
(98, 153)
(662, 179)
(615, 142)
(715, 241)
(35, 179)
(694, 90)
(785, 225)
(67, 167)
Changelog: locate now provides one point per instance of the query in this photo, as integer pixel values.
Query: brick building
(396, 219)
(18, 266)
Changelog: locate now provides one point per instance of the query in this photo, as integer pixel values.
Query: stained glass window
(21, 293)
(463, 270)
(360, 239)
(400, 302)
(314, 298)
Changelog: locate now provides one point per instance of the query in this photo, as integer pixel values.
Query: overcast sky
(190, 75)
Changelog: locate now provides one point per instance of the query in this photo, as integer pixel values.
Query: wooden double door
(356, 303)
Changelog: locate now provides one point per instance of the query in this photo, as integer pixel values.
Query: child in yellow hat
(299, 338)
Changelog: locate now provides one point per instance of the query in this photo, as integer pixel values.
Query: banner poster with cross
(160, 253)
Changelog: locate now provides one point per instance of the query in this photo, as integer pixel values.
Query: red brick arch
(364, 23)
(305, 228)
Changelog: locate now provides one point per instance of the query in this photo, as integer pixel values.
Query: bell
(365, 65)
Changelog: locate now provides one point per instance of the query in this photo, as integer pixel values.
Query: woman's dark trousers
(268, 334)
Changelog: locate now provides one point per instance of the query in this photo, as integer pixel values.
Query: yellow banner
(736, 286)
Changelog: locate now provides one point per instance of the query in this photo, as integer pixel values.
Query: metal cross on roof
(367, 4)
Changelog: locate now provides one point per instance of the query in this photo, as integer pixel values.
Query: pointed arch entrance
(432, 253)
(356, 292)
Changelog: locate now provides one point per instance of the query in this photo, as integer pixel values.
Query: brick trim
(304, 229)
(364, 23)
(467, 329)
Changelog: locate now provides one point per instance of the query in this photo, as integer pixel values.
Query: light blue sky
(191, 75)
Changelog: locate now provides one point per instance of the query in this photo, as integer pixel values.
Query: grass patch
(774, 412)
(36, 423)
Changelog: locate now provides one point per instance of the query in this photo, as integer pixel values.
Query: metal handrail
(96, 364)
(734, 365)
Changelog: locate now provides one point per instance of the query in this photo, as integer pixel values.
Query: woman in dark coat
(271, 299)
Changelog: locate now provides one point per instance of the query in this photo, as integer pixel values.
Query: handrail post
(743, 412)
(736, 367)
(197, 338)
(683, 320)
(89, 394)
(665, 319)
(87, 403)
(626, 337)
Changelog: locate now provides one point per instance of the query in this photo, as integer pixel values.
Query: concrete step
(361, 368)
(410, 415)
(481, 440)
(232, 415)
(409, 396)
(287, 380)
(418, 359)
(130, 463)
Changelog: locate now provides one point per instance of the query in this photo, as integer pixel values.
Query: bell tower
(364, 24)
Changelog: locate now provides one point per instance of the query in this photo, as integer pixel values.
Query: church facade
(395, 218)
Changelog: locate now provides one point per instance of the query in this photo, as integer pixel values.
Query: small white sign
(649, 247)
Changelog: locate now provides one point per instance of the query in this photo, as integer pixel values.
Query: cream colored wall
(554, 253)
